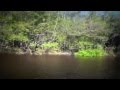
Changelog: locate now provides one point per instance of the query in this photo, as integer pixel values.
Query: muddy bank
(39, 52)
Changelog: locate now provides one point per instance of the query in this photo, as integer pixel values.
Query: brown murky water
(58, 67)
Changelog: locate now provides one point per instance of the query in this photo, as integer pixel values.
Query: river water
(58, 67)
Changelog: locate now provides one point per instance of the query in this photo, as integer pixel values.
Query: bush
(90, 53)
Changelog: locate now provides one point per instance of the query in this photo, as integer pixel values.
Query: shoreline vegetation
(39, 52)
(60, 33)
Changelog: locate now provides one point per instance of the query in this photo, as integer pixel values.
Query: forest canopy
(83, 32)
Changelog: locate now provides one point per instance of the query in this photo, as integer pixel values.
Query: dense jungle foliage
(83, 33)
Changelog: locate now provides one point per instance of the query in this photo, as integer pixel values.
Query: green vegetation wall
(84, 30)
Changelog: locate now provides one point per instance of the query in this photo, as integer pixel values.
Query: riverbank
(18, 51)
(50, 53)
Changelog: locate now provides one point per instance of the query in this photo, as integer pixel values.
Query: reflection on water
(58, 67)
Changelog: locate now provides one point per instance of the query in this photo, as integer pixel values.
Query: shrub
(90, 53)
